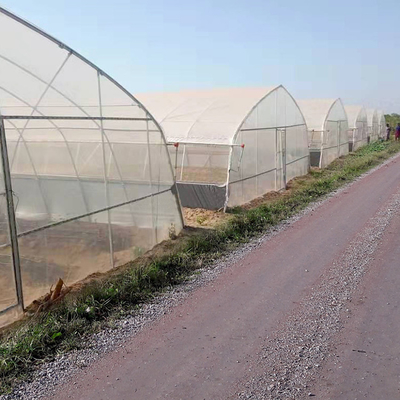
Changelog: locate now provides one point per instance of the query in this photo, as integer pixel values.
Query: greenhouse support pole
(228, 176)
(153, 223)
(183, 160)
(322, 148)
(176, 145)
(106, 190)
(11, 215)
(284, 157)
(276, 159)
(282, 138)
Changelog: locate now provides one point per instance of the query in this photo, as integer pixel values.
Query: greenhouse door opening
(280, 180)
(201, 173)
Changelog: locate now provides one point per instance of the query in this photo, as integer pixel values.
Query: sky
(315, 48)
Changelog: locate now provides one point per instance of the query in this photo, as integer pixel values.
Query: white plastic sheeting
(358, 126)
(373, 124)
(382, 124)
(91, 179)
(327, 129)
(212, 125)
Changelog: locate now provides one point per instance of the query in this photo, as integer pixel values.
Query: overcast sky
(347, 49)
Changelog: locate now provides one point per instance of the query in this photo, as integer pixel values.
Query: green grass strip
(63, 328)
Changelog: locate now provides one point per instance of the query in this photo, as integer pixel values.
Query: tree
(392, 119)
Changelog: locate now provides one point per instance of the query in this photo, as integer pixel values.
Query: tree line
(392, 119)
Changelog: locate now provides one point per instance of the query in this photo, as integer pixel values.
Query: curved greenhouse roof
(328, 129)
(204, 116)
(372, 115)
(87, 167)
(316, 111)
(355, 114)
(233, 145)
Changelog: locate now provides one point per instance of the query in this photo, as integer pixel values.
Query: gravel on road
(294, 353)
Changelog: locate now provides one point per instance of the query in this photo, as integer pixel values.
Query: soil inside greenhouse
(208, 175)
(199, 217)
(70, 253)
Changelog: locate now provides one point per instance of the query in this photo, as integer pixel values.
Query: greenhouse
(87, 183)
(327, 130)
(373, 125)
(382, 124)
(230, 146)
(358, 126)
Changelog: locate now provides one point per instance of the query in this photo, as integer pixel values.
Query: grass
(65, 327)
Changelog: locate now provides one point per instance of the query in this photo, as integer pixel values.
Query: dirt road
(367, 360)
(269, 312)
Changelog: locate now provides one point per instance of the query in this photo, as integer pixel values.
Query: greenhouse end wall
(382, 125)
(373, 125)
(328, 130)
(87, 183)
(275, 142)
(247, 141)
(358, 127)
(336, 143)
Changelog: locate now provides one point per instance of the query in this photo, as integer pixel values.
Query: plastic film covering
(212, 125)
(327, 129)
(373, 125)
(274, 136)
(358, 126)
(9, 309)
(198, 195)
(381, 124)
(90, 171)
(200, 163)
(203, 116)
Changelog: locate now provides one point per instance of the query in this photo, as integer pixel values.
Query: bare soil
(71, 252)
(198, 174)
(199, 217)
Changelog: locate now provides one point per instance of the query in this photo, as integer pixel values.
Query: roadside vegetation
(392, 119)
(64, 327)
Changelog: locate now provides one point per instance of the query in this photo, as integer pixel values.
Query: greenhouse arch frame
(229, 145)
(86, 179)
(373, 124)
(327, 126)
(358, 126)
(382, 124)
